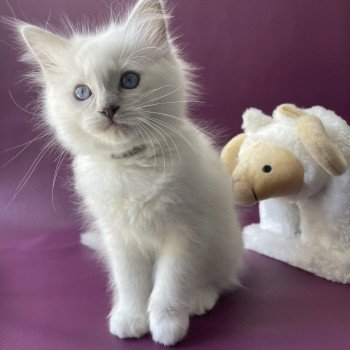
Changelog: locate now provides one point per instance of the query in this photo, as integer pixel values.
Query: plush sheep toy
(296, 165)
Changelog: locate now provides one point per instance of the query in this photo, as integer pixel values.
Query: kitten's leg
(92, 240)
(171, 295)
(132, 282)
(204, 300)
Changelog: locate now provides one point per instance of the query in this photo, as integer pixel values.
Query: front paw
(128, 325)
(168, 328)
(203, 301)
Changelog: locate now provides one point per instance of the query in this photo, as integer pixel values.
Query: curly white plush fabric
(310, 230)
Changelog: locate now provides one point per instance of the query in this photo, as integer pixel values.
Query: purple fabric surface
(53, 296)
(257, 53)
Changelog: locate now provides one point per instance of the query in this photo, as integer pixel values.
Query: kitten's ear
(46, 47)
(149, 17)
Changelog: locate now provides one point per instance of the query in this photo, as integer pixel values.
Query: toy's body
(296, 165)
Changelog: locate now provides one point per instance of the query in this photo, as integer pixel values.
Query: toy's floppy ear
(230, 152)
(290, 110)
(315, 139)
(254, 119)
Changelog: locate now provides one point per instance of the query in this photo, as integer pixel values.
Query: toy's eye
(82, 92)
(267, 169)
(129, 80)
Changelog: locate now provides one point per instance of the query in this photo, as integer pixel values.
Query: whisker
(173, 142)
(185, 122)
(145, 48)
(174, 130)
(110, 8)
(149, 93)
(22, 12)
(144, 126)
(152, 144)
(29, 173)
(10, 46)
(159, 131)
(20, 81)
(48, 18)
(20, 107)
(59, 163)
(147, 131)
(165, 103)
(27, 144)
(158, 98)
(11, 9)
(36, 162)
(148, 58)
(23, 144)
(171, 154)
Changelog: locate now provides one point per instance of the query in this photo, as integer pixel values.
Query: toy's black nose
(109, 111)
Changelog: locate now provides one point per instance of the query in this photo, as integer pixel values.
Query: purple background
(251, 53)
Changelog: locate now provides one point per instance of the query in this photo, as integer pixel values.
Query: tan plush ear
(315, 139)
(290, 110)
(230, 152)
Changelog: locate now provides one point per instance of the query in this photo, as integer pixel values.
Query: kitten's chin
(109, 133)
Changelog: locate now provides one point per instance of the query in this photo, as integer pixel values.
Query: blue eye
(129, 80)
(82, 92)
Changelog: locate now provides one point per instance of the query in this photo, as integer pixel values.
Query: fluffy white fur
(164, 217)
(310, 230)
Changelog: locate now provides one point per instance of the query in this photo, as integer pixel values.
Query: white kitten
(150, 181)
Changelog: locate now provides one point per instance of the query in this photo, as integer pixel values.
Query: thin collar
(130, 153)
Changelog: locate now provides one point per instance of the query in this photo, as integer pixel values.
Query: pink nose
(109, 111)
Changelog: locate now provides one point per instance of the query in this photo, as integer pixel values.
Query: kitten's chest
(116, 193)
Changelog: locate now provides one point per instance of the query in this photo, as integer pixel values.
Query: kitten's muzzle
(110, 111)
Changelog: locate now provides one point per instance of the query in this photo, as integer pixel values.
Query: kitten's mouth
(117, 122)
(110, 131)
(107, 131)
(115, 125)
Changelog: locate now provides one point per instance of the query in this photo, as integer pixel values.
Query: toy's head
(281, 156)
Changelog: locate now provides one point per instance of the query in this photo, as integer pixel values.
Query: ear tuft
(150, 18)
(254, 119)
(45, 46)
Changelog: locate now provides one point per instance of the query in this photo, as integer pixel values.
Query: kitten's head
(109, 90)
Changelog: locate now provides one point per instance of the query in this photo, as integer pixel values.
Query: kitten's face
(110, 91)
